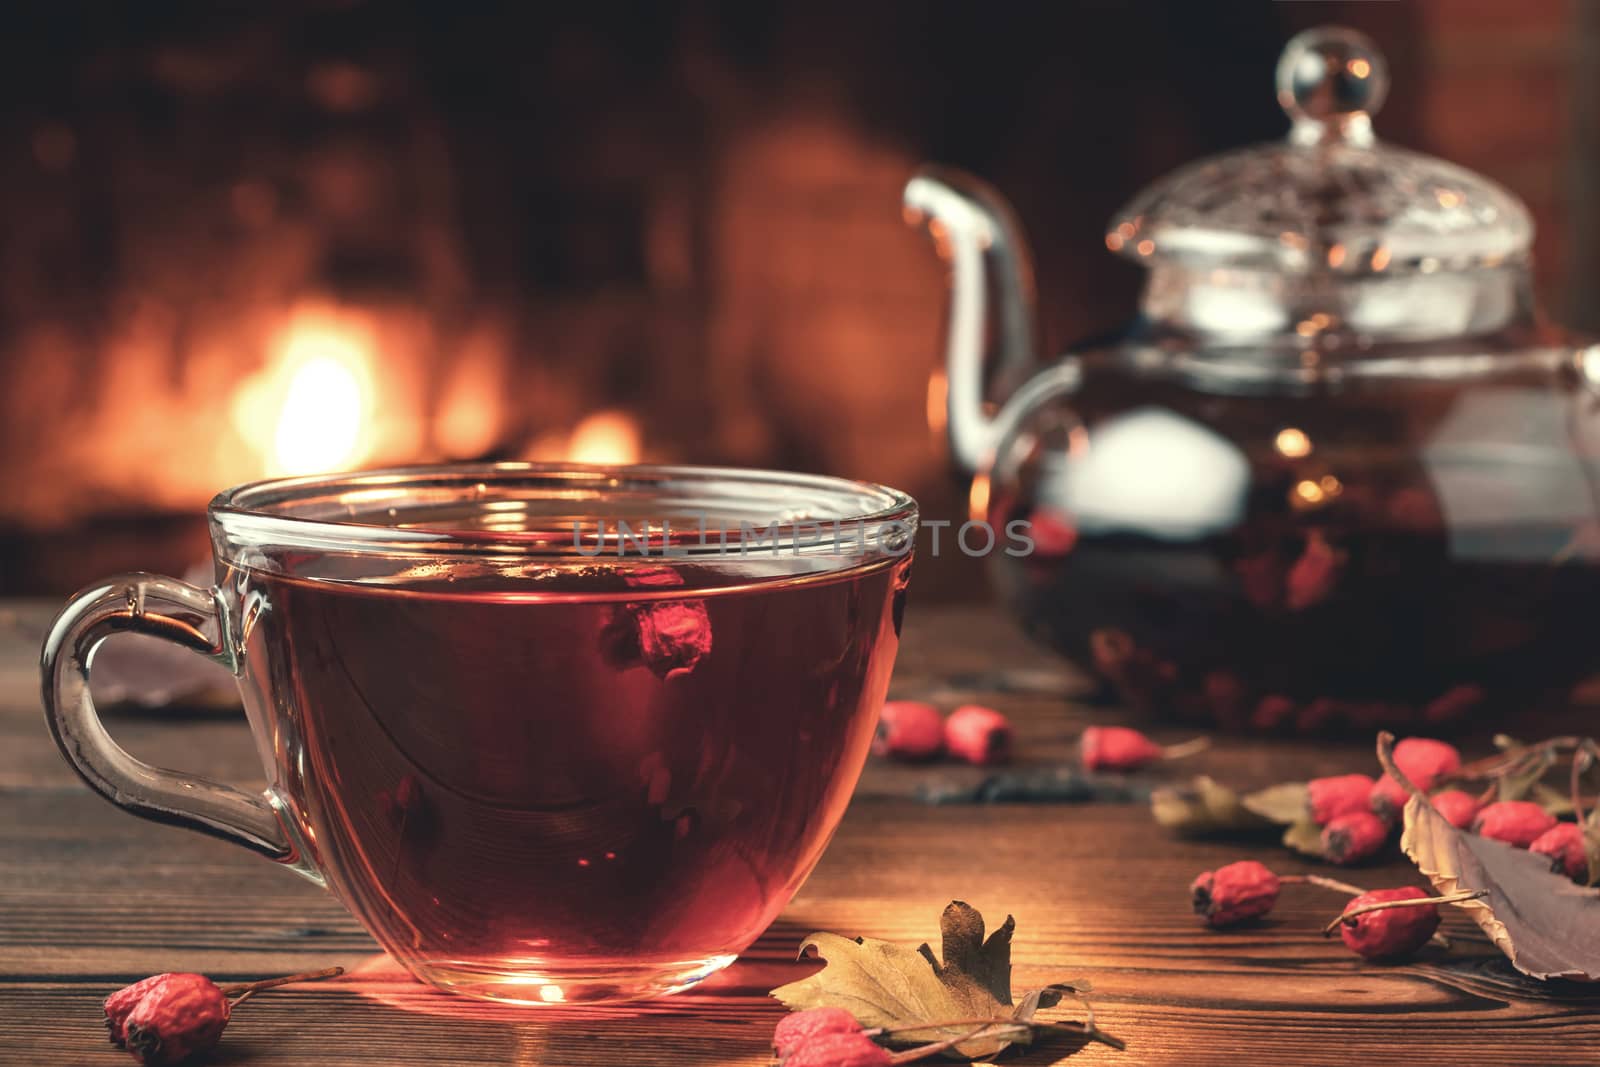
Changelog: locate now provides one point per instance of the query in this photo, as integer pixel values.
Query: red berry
(1272, 711)
(1112, 650)
(1388, 798)
(1225, 698)
(120, 1003)
(1393, 932)
(1518, 823)
(909, 730)
(801, 1027)
(1054, 533)
(1116, 748)
(1338, 795)
(1425, 761)
(1313, 576)
(1564, 844)
(179, 1016)
(840, 1050)
(1353, 837)
(1458, 808)
(1235, 893)
(978, 735)
(1454, 704)
(1319, 713)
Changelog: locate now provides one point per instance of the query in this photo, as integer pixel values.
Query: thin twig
(922, 1052)
(250, 988)
(1581, 759)
(1458, 897)
(1319, 880)
(1185, 748)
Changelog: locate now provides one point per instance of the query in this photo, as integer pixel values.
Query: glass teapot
(1338, 473)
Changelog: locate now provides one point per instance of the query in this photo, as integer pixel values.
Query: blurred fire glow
(604, 438)
(311, 409)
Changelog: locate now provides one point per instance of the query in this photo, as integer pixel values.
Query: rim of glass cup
(339, 512)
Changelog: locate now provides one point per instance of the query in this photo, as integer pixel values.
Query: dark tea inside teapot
(1337, 473)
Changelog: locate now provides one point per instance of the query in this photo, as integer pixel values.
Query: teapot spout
(976, 232)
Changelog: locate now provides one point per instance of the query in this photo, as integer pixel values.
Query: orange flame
(311, 409)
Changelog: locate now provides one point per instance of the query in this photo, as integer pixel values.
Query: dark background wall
(511, 217)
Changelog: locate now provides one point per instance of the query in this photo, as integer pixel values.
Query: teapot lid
(1331, 198)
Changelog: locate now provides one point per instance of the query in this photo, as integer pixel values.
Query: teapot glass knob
(1331, 81)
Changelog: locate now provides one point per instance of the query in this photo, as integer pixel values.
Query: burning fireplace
(345, 234)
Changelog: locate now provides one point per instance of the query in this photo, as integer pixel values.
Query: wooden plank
(91, 899)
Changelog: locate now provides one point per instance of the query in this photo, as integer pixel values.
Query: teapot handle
(976, 232)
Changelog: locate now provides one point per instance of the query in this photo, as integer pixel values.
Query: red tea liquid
(594, 783)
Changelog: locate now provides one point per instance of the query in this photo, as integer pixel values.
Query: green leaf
(1285, 804)
(1201, 807)
(1517, 784)
(1305, 837)
(889, 986)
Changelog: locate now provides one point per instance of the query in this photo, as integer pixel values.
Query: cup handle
(174, 611)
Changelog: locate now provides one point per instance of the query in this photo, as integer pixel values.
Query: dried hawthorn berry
(120, 1003)
(1225, 698)
(1564, 844)
(1313, 576)
(1272, 711)
(1116, 748)
(1393, 932)
(1337, 795)
(178, 1016)
(1388, 798)
(840, 1050)
(1054, 533)
(1320, 713)
(909, 730)
(1518, 823)
(800, 1027)
(1111, 650)
(1426, 761)
(1234, 894)
(978, 735)
(1455, 704)
(1353, 837)
(1458, 807)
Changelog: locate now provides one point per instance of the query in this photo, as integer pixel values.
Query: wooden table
(91, 899)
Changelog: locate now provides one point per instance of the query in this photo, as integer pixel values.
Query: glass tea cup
(552, 734)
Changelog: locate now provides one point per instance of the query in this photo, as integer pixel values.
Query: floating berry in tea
(1337, 795)
(1234, 894)
(1272, 711)
(1518, 823)
(1456, 703)
(1054, 533)
(1392, 932)
(909, 730)
(840, 1050)
(1226, 699)
(176, 1017)
(978, 735)
(1353, 837)
(1314, 575)
(797, 1028)
(670, 637)
(1565, 846)
(1458, 807)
